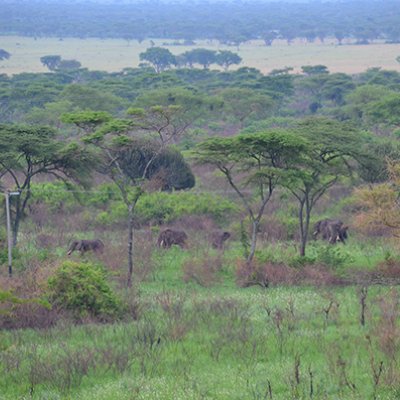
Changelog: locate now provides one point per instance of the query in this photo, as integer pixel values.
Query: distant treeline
(230, 23)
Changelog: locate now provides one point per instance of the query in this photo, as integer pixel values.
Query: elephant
(169, 237)
(332, 230)
(219, 238)
(83, 246)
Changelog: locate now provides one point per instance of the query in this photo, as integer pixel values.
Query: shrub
(19, 313)
(272, 273)
(256, 273)
(202, 270)
(300, 261)
(82, 289)
(161, 207)
(332, 256)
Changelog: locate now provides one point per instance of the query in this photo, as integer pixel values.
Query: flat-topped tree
(253, 165)
(136, 155)
(29, 151)
(226, 58)
(332, 152)
(159, 58)
(182, 107)
(51, 62)
(204, 57)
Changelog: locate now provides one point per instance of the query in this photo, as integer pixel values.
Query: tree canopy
(27, 152)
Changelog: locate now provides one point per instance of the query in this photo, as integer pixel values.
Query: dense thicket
(229, 22)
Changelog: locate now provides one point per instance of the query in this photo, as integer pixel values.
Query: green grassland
(217, 341)
(115, 54)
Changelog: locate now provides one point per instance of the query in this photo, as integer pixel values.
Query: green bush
(163, 207)
(82, 288)
(332, 256)
(298, 261)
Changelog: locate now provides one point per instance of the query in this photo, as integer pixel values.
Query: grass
(115, 54)
(217, 342)
(229, 347)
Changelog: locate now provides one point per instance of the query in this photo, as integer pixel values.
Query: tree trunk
(17, 220)
(304, 226)
(303, 239)
(130, 246)
(253, 241)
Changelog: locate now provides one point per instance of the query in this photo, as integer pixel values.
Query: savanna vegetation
(228, 22)
(269, 313)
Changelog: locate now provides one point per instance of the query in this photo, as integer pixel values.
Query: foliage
(135, 155)
(314, 69)
(330, 150)
(161, 59)
(29, 152)
(378, 204)
(228, 23)
(227, 58)
(87, 98)
(332, 256)
(385, 110)
(51, 62)
(260, 161)
(82, 288)
(200, 56)
(245, 104)
(164, 208)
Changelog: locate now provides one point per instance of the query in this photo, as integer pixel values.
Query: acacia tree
(189, 106)
(51, 62)
(29, 151)
(203, 57)
(253, 165)
(226, 58)
(331, 151)
(135, 154)
(161, 59)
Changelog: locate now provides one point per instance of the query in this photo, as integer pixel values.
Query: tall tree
(136, 156)
(27, 152)
(188, 105)
(253, 165)
(160, 58)
(331, 149)
(51, 62)
(203, 57)
(226, 58)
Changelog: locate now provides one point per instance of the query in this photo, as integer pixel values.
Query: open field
(217, 341)
(116, 54)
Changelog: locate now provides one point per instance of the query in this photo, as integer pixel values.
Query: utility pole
(9, 235)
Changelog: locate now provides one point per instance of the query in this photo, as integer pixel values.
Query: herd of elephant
(331, 230)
